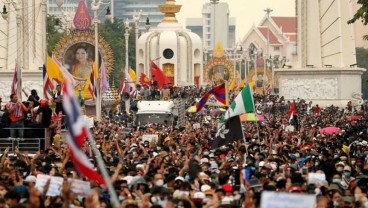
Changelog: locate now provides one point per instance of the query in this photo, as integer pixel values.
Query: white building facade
(177, 51)
(326, 56)
(23, 42)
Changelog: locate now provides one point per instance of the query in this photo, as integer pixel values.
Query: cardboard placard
(80, 187)
(55, 184)
(149, 137)
(287, 200)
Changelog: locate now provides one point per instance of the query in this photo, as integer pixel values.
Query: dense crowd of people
(179, 169)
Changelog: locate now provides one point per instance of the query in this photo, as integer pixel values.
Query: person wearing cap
(347, 179)
(340, 167)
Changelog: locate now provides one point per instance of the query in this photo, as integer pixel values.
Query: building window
(276, 48)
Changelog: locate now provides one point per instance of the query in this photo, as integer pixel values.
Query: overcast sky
(246, 12)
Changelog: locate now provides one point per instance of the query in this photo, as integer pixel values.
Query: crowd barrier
(33, 140)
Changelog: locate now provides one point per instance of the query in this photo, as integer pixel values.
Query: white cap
(261, 164)
(31, 179)
(204, 160)
(199, 195)
(205, 188)
(179, 178)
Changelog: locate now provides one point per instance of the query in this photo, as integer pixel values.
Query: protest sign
(80, 187)
(149, 137)
(54, 187)
(287, 200)
(196, 126)
(314, 178)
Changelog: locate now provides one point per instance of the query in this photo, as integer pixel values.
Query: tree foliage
(53, 36)
(362, 13)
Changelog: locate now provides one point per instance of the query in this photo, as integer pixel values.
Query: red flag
(144, 79)
(158, 75)
(15, 80)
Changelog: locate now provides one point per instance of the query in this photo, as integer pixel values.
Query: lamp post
(5, 16)
(126, 36)
(147, 25)
(19, 59)
(95, 7)
(268, 11)
(136, 19)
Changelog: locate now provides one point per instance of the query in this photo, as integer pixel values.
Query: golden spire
(169, 9)
(219, 50)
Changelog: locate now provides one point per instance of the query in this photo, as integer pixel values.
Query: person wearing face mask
(158, 179)
(347, 179)
(339, 167)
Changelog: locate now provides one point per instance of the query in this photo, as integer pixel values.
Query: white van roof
(155, 106)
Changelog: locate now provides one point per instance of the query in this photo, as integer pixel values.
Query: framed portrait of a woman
(79, 59)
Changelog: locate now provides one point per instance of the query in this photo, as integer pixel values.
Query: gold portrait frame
(85, 37)
(219, 61)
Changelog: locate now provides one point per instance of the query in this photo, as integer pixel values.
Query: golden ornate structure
(169, 9)
(83, 38)
(260, 80)
(74, 38)
(219, 68)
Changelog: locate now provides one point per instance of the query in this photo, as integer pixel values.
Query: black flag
(228, 132)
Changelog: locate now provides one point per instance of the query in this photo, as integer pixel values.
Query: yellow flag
(232, 85)
(241, 84)
(95, 73)
(132, 75)
(53, 70)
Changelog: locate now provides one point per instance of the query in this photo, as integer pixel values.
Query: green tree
(113, 33)
(53, 36)
(361, 14)
(362, 61)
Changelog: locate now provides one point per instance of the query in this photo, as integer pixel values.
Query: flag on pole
(53, 70)
(158, 75)
(104, 84)
(77, 132)
(15, 80)
(92, 82)
(144, 79)
(132, 75)
(48, 87)
(122, 85)
(232, 85)
(65, 74)
(218, 93)
(243, 103)
(228, 132)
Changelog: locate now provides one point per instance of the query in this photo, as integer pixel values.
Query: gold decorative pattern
(169, 9)
(73, 38)
(210, 71)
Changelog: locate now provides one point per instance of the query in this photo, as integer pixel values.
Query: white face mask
(339, 169)
(159, 182)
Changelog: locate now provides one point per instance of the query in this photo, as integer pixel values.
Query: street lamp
(268, 11)
(5, 15)
(148, 24)
(136, 18)
(95, 7)
(126, 36)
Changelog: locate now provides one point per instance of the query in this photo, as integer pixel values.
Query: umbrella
(353, 117)
(329, 130)
(252, 117)
(193, 109)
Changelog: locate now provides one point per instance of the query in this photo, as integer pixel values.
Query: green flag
(243, 103)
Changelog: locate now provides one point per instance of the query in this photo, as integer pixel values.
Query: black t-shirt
(46, 116)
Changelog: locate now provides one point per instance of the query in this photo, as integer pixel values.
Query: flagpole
(101, 166)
